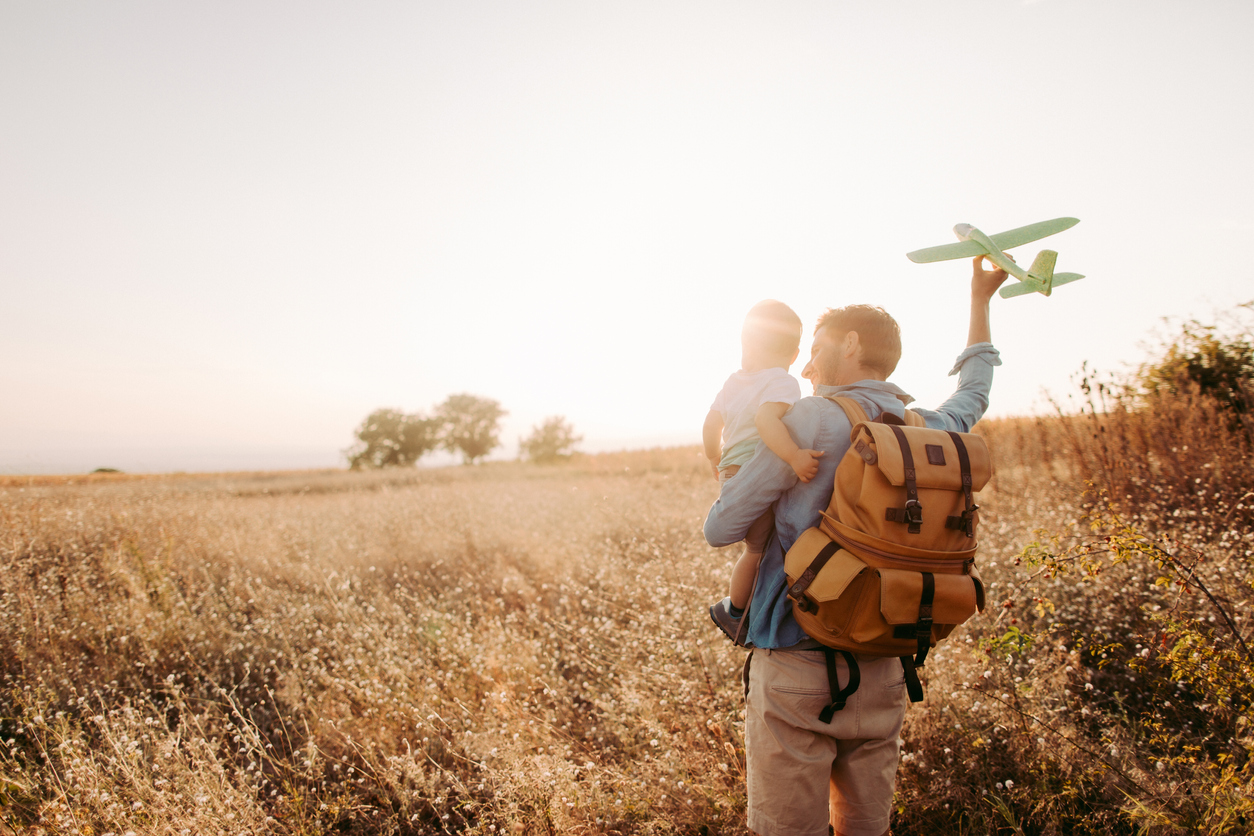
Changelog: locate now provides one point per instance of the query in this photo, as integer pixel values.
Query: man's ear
(852, 346)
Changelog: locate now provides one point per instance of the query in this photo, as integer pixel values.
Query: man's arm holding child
(712, 439)
(769, 421)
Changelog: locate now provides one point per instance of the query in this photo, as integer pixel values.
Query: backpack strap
(923, 627)
(796, 592)
(913, 686)
(839, 695)
(923, 639)
(912, 514)
(853, 410)
(964, 522)
(856, 414)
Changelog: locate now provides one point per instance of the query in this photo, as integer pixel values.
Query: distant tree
(1216, 359)
(471, 425)
(551, 441)
(390, 438)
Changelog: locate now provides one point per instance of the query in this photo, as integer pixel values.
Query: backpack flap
(955, 598)
(935, 456)
(818, 569)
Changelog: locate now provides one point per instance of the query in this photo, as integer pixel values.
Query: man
(804, 774)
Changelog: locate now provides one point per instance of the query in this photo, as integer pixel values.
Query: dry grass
(466, 649)
(524, 649)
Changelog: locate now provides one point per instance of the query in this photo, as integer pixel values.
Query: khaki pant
(804, 774)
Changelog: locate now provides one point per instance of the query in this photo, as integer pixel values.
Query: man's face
(826, 358)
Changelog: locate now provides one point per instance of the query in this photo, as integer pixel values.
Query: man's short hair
(878, 334)
(772, 332)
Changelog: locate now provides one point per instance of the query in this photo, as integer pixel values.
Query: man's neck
(855, 375)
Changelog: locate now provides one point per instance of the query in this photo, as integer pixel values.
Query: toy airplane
(1039, 278)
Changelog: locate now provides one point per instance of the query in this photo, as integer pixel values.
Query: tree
(552, 441)
(1217, 359)
(471, 425)
(390, 438)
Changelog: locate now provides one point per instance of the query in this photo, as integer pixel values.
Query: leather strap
(839, 695)
(913, 686)
(796, 592)
(966, 521)
(913, 512)
(923, 627)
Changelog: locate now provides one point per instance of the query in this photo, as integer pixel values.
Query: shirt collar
(879, 387)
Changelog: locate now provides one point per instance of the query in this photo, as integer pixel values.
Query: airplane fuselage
(966, 232)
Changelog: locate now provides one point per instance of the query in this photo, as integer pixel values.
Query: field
(511, 648)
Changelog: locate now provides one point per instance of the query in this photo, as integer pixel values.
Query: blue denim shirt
(819, 424)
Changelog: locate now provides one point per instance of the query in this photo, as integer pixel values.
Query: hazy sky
(230, 230)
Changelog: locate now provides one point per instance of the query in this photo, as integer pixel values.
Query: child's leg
(745, 572)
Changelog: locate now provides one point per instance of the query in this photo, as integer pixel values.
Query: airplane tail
(1042, 269)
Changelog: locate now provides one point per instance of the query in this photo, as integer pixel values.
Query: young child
(751, 406)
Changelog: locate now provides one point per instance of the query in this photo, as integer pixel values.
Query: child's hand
(806, 464)
(714, 468)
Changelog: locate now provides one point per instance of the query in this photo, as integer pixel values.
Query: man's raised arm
(974, 366)
(984, 284)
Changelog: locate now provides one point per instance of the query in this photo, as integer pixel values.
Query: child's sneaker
(720, 614)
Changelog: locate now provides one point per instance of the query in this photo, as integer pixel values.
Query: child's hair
(878, 334)
(771, 334)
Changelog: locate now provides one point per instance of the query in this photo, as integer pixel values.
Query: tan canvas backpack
(890, 569)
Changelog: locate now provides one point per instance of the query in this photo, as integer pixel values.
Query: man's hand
(984, 283)
(805, 463)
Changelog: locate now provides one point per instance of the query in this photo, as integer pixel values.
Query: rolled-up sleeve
(969, 402)
(748, 494)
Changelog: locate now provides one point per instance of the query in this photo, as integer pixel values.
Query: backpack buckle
(913, 515)
(964, 522)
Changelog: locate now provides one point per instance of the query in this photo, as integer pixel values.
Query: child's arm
(712, 439)
(770, 424)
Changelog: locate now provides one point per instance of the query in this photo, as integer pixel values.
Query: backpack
(890, 568)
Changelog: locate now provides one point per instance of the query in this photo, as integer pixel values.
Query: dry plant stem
(1186, 577)
(1191, 578)
(1128, 779)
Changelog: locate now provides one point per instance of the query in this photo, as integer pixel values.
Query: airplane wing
(1003, 240)
(962, 249)
(1024, 234)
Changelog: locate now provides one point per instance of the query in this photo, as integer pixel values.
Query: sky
(231, 230)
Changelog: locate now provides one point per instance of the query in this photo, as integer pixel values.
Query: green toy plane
(1039, 278)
